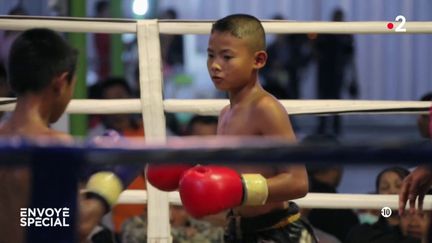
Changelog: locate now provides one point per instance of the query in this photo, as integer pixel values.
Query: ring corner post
(154, 122)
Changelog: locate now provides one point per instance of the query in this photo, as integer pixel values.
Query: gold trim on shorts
(284, 222)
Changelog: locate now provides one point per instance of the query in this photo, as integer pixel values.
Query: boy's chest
(237, 123)
(243, 123)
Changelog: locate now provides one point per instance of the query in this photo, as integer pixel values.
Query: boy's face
(230, 61)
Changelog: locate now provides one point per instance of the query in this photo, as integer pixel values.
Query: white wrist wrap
(256, 189)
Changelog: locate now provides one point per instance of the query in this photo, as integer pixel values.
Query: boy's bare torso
(15, 181)
(240, 120)
(14, 194)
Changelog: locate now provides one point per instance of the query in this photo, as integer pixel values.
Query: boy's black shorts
(278, 226)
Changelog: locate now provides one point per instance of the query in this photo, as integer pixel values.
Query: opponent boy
(41, 71)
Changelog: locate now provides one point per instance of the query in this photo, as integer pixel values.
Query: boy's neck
(243, 94)
(31, 111)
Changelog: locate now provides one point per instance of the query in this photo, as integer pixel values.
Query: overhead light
(140, 7)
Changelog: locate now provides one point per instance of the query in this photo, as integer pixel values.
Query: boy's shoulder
(263, 104)
(224, 110)
(60, 137)
(266, 103)
(49, 135)
(271, 119)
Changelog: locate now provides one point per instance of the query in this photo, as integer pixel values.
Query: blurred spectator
(174, 128)
(183, 229)
(136, 77)
(171, 45)
(418, 183)
(9, 35)
(423, 121)
(126, 124)
(368, 216)
(335, 54)
(123, 213)
(326, 180)
(129, 125)
(202, 126)
(102, 42)
(288, 55)
(416, 225)
(5, 90)
(101, 234)
(186, 229)
(388, 181)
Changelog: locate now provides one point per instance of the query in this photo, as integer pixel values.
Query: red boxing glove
(206, 190)
(166, 177)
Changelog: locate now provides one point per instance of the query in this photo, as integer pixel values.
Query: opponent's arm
(414, 186)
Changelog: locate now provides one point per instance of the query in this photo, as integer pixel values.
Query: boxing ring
(152, 106)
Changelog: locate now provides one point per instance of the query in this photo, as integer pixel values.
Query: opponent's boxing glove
(107, 182)
(166, 177)
(206, 190)
(106, 186)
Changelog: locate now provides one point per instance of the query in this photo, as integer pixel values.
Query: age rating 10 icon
(399, 26)
(386, 212)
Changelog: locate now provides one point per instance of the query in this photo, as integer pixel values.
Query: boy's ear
(60, 82)
(260, 59)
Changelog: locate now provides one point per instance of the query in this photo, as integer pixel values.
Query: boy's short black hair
(36, 57)
(243, 26)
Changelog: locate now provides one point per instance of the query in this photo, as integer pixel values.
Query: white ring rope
(213, 106)
(312, 200)
(96, 25)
